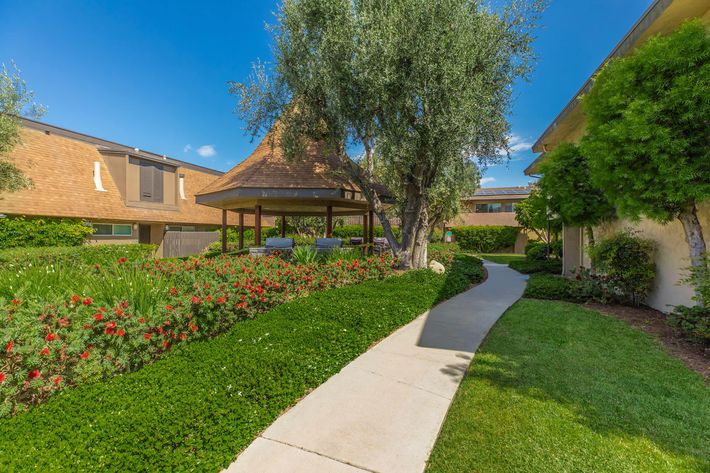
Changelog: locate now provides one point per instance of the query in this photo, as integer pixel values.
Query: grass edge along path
(557, 387)
(198, 407)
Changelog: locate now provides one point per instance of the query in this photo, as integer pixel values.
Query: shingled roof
(302, 186)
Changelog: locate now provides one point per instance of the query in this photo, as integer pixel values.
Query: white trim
(98, 185)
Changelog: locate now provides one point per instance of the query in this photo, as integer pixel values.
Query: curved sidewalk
(383, 411)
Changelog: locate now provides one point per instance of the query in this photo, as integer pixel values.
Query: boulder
(437, 267)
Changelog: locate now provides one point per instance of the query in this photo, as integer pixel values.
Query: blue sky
(153, 75)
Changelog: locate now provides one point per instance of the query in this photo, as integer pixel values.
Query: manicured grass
(502, 258)
(197, 407)
(556, 387)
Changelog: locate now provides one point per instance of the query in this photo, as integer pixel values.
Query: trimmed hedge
(528, 266)
(202, 404)
(32, 232)
(548, 286)
(692, 321)
(485, 239)
(88, 255)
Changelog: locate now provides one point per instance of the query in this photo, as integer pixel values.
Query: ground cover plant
(198, 406)
(557, 387)
(502, 258)
(87, 255)
(61, 326)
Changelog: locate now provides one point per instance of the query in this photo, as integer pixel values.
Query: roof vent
(98, 185)
(181, 186)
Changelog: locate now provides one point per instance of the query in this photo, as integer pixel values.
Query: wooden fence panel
(180, 244)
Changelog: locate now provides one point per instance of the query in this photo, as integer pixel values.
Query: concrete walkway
(382, 412)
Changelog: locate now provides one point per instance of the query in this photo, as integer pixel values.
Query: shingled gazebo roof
(304, 186)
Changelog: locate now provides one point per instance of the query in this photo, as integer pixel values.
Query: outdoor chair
(325, 245)
(355, 241)
(284, 245)
(380, 245)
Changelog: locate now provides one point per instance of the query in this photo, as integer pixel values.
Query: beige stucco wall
(169, 186)
(670, 256)
(157, 231)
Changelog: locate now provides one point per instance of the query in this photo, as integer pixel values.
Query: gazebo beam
(257, 225)
(241, 230)
(329, 222)
(224, 231)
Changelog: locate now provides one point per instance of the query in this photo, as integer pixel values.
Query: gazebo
(266, 184)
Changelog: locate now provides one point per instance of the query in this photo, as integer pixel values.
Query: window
(495, 207)
(181, 228)
(151, 189)
(113, 229)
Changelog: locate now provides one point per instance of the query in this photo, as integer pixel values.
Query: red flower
(166, 343)
(183, 336)
(84, 355)
(75, 299)
(168, 307)
(147, 336)
(221, 300)
(193, 327)
(87, 301)
(33, 374)
(50, 337)
(98, 316)
(2, 377)
(16, 301)
(8, 347)
(121, 333)
(111, 324)
(44, 351)
(88, 326)
(122, 260)
(57, 380)
(196, 299)
(109, 331)
(141, 320)
(173, 291)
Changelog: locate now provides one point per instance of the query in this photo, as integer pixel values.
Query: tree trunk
(694, 238)
(590, 235)
(420, 254)
(411, 218)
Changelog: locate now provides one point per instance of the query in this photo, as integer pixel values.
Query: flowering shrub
(129, 314)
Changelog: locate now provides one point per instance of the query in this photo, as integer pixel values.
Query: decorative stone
(437, 267)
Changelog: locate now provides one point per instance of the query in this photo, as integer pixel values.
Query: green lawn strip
(502, 258)
(199, 406)
(556, 387)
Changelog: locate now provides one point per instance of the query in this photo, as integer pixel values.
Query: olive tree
(15, 100)
(536, 215)
(424, 85)
(647, 139)
(566, 182)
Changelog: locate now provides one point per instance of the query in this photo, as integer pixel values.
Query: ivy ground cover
(62, 326)
(197, 407)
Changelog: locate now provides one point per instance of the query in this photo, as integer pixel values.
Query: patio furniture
(380, 245)
(325, 245)
(284, 245)
(355, 241)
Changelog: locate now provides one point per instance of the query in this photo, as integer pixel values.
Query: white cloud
(487, 180)
(206, 151)
(187, 148)
(517, 144)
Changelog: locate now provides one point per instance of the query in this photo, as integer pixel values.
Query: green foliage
(567, 185)
(347, 231)
(528, 266)
(42, 231)
(559, 388)
(647, 125)
(537, 250)
(485, 239)
(556, 287)
(304, 255)
(444, 253)
(693, 321)
(16, 100)
(625, 267)
(534, 213)
(75, 256)
(209, 399)
(699, 278)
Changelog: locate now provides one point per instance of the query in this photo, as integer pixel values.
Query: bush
(699, 278)
(444, 253)
(347, 231)
(33, 232)
(624, 266)
(113, 319)
(528, 266)
(537, 250)
(485, 239)
(548, 286)
(206, 401)
(693, 321)
(87, 255)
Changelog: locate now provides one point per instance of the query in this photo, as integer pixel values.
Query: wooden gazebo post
(241, 230)
(365, 233)
(257, 225)
(283, 226)
(371, 217)
(224, 230)
(329, 222)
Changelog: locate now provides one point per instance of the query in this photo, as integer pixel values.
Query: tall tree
(535, 214)
(427, 84)
(568, 186)
(647, 138)
(15, 100)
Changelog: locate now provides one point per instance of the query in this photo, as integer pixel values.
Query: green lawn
(198, 406)
(556, 387)
(502, 258)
